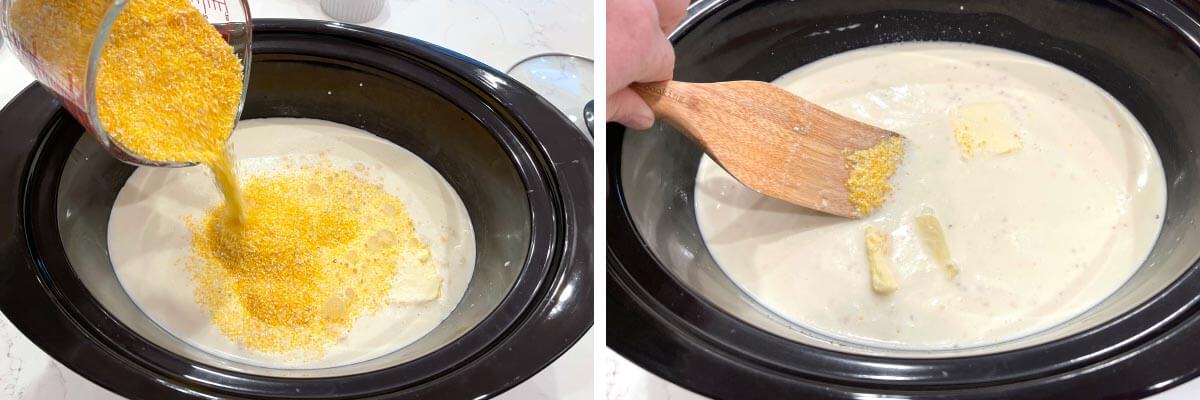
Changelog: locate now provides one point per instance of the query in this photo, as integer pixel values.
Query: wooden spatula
(782, 145)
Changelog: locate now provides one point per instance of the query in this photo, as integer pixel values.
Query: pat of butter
(879, 253)
(933, 238)
(417, 279)
(985, 129)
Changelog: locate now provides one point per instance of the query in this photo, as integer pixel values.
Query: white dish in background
(352, 11)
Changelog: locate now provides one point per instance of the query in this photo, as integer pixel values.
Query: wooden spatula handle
(768, 138)
(689, 107)
(671, 100)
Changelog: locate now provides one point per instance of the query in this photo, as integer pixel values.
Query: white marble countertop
(496, 32)
(625, 380)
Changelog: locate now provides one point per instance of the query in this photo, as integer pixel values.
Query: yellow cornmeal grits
(319, 247)
(870, 170)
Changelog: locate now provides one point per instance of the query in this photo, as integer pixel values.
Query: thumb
(627, 108)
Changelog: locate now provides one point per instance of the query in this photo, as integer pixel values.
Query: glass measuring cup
(68, 65)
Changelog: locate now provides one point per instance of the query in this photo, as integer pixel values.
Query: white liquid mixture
(147, 236)
(1040, 234)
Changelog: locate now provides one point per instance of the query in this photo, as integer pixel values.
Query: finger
(670, 13)
(626, 41)
(658, 64)
(627, 108)
(637, 49)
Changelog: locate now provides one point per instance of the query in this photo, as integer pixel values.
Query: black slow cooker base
(703, 336)
(520, 178)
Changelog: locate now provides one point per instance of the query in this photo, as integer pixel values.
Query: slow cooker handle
(588, 118)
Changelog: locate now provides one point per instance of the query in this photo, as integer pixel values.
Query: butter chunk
(417, 280)
(933, 238)
(879, 253)
(985, 129)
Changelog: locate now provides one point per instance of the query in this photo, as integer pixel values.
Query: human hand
(638, 51)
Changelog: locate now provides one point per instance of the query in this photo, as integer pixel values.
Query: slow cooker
(522, 170)
(674, 312)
